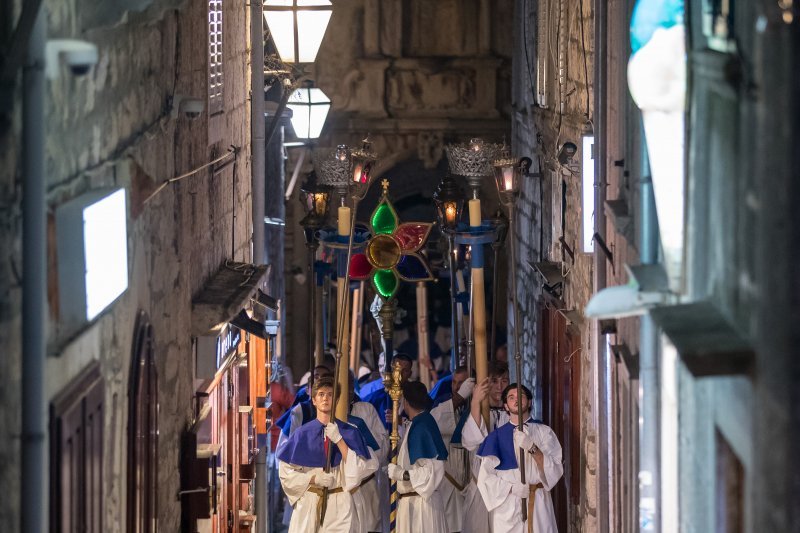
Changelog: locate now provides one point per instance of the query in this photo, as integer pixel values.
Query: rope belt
(531, 503)
(319, 491)
(363, 482)
(407, 494)
(455, 483)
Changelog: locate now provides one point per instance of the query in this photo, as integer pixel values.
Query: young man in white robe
(499, 479)
(420, 467)
(371, 504)
(450, 417)
(476, 516)
(302, 468)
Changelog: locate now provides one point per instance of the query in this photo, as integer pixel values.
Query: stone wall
(115, 127)
(552, 104)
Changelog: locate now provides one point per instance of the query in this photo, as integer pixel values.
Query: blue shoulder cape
(456, 438)
(424, 439)
(381, 401)
(500, 444)
(301, 395)
(369, 387)
(369, 440)
(306, 445)
(285, 421)
(443, 390)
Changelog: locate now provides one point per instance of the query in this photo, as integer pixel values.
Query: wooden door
(560, 369)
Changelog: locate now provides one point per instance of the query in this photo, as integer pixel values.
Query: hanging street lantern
(297, 27)
(507, 174)
(310, 108)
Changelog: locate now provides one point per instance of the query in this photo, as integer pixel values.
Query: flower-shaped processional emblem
(393, 252)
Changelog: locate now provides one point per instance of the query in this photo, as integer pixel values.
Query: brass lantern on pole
(507, 177)
(449, 201)
(315, 199)
(362, 161)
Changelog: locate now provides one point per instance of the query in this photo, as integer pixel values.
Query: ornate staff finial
(385, 186)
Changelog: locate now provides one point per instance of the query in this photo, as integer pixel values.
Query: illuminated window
(215, 78)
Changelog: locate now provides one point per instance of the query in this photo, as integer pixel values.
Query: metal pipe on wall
(258, 154)
(649, 376)
(257, 125)
(600, 281)
(33, 486)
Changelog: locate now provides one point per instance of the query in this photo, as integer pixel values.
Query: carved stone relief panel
(434, 88)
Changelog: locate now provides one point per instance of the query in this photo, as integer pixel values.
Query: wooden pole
(423, 341)
(517, 351)
(478, 311)
(343, 317)
(356, 328)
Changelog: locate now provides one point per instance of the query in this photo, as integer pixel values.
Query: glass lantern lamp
(362, 161)
(449, 201)
(506, 176)
(297, 27)
(310, 108)
(315, 199)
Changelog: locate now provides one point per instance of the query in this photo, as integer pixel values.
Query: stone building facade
(415, 76)
(123, 125)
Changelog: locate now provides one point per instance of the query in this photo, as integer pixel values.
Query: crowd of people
(454, 470)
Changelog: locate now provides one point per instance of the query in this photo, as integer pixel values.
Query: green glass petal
(383, 219)
(385, 283)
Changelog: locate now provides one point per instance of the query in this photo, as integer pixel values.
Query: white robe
(423, 513)
(456, 466)
(476, 517)
(296, 481)
(495, 486)
(372, 504)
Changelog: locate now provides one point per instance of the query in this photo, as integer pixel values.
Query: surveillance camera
(80, 56)
(192, 107)
(567, 152)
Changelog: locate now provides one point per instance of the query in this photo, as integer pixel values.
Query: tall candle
(474, 212)
(344, 220)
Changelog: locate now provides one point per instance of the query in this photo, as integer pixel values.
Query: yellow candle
(474, 212)
(344, 220)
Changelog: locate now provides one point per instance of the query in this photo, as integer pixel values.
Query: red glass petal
(360, 268)
(412, 235)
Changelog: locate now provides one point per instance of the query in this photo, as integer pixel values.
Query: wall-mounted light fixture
(587, 179)
(297, 27)
(310, 108)
(92, 254)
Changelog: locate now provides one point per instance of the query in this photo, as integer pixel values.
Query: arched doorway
(143, 431)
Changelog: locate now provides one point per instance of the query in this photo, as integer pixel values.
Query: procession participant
(420, 467)
(474, 431)
(302, 461)
(450, 419)
(380, 399)
(499, 478)
(302, 410)
(369, 496)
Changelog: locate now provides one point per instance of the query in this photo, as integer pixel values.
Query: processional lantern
(449, 201)
(315, 199)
